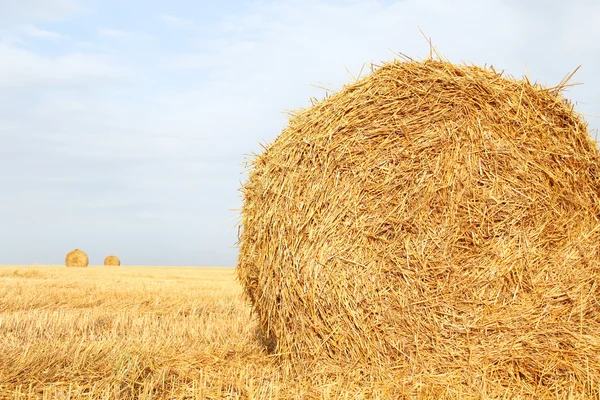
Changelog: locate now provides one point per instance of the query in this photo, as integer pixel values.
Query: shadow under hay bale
(112, 261)
(440, 218)
(76, 258)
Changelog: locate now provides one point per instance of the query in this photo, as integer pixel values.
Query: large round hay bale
(76, 258)
(112, 261)
(438, 217)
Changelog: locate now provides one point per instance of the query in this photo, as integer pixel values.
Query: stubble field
(146, 333)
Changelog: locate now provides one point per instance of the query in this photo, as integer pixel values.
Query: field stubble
(147, 333)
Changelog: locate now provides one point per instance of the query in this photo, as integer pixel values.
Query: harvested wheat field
(438, 220)
(147, 333)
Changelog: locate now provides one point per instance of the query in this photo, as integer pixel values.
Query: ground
(174, 333)
(144, 333)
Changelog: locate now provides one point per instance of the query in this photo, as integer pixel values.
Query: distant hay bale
(76, 258)
(440, 218)
(112, 261)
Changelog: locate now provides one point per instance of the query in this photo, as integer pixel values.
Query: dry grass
(146, 333)
(162, 333)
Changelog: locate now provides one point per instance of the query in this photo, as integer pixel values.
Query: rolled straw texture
(438, 218)
(112, 261)
(76, 258)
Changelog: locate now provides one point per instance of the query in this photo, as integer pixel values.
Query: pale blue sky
(124, 124)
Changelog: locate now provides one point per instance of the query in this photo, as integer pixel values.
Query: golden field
(173, 333)
(147, 333)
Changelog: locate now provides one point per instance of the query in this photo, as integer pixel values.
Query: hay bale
(112, 261)
(440, 218)
(76, 258)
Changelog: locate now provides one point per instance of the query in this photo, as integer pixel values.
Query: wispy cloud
(33, 31)
(114, 33)
(178, 22)
(189, 61)
(22, 67)
(36, 9)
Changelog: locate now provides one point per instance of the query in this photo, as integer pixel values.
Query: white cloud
(33, 31)
(18, 10)
(11, 37)
(114, 33)
(189, 61)
(203, 61)
(178, 22)
(22, 67)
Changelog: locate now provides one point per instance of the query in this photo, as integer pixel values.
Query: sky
(124, 125)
